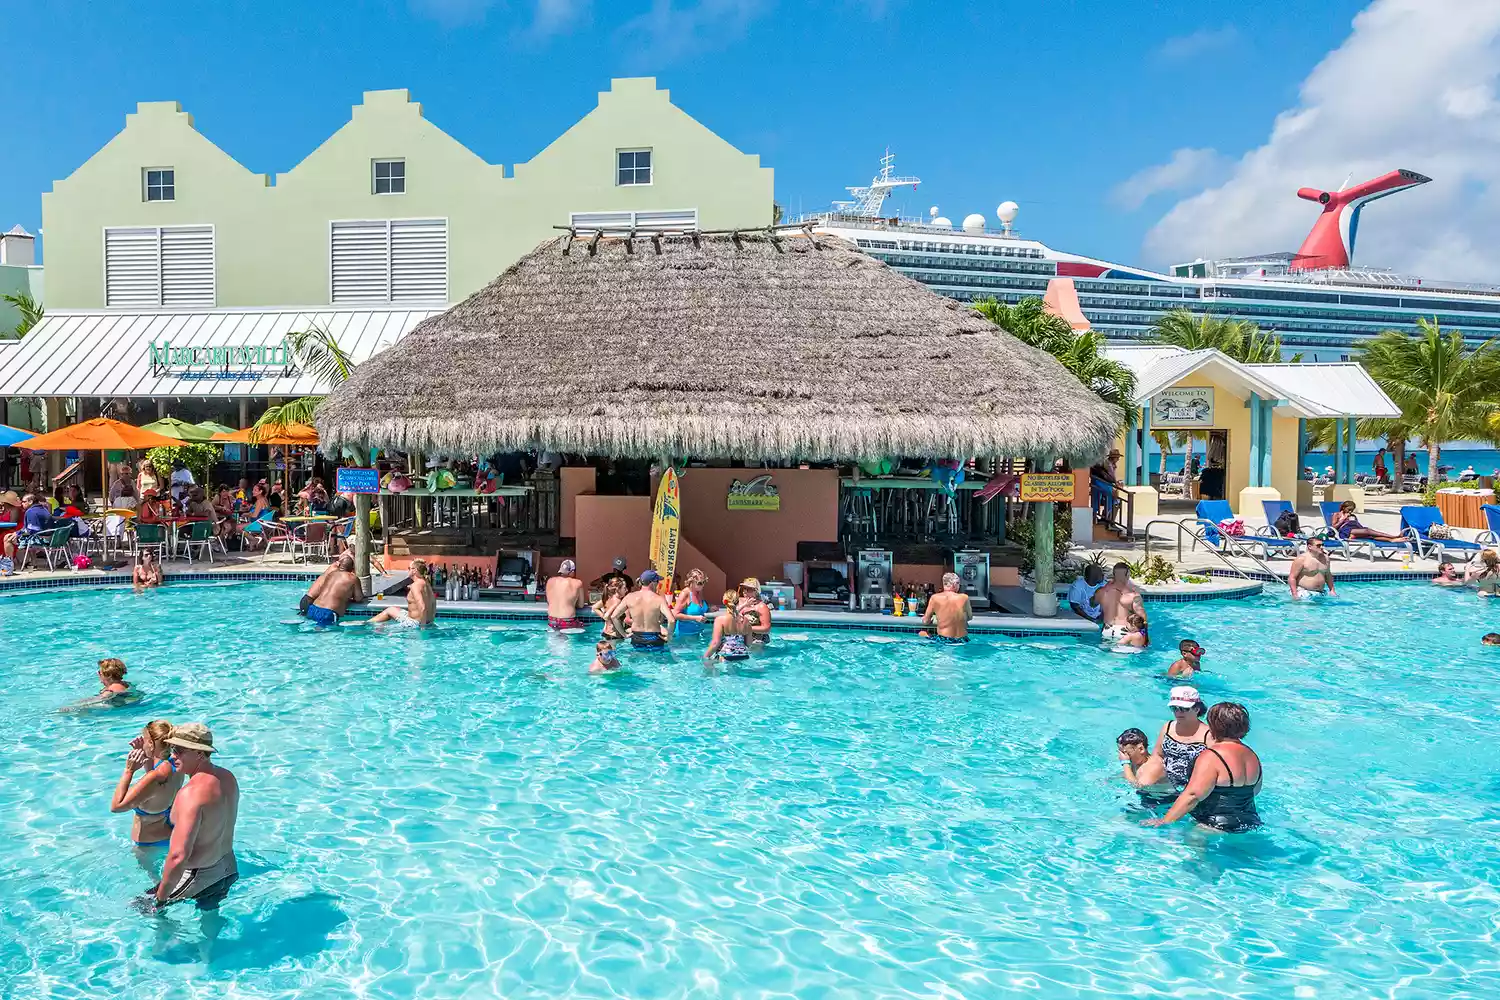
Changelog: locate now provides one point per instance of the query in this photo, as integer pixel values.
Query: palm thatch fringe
(750, 346)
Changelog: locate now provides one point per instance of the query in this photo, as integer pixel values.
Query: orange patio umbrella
(292, 435)
(102, 435)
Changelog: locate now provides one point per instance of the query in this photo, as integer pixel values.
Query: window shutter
(132, 267)
(589, 221)
(419, 260)
(359, 264)
(621, 222)
(187, 266)
(672, 218)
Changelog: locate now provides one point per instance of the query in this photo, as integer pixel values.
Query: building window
(388, 260)
(633, 166)
(390, 176)
(161, 184)
(169, 266)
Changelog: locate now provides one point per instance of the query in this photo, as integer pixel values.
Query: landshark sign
(754, 494)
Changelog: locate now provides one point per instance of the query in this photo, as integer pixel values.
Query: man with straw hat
(200, 861)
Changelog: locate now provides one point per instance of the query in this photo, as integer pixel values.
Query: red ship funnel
(1336, 229)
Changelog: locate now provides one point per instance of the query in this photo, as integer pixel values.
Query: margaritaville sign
(229, 362)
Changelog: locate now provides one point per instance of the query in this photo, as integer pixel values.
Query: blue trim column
(1267, 439)
(1349, 461)
(1338, 450)
(1301, 447)
(1132, 460)
(1255, 441)
(1145, 477)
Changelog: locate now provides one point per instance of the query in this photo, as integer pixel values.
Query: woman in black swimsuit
(1226, 777)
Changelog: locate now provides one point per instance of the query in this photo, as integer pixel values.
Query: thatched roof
(753, 346)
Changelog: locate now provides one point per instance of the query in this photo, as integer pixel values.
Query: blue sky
(1099, 118)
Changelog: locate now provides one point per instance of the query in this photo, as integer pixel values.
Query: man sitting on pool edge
(421, 602)
(333, 592)
(952, 612)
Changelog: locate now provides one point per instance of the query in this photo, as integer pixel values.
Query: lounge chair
(1490, 537)
(1419, 521)
(1211, 512)
(1370, 545)
(1273, 510)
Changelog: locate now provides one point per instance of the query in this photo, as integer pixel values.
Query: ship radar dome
(933, 211)
(1007, 212)
(974, 223)
(942, 222)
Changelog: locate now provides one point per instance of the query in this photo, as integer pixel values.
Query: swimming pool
(466, 814)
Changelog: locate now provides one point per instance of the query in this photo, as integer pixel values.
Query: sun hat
(9, 497)
(568, 566)
(1183, 696)
(750, 583)
(193, 736)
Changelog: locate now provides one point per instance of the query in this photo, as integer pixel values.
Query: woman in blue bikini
(151, 797)
(691, 609)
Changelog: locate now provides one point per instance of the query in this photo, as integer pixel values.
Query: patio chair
(1369, 545)
(200, 536)
(1211, 512)
(151, 536)
(1419, 521)
(309, 539)
(54, 542)
(275, 533)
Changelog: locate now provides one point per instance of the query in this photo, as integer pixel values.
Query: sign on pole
(356, 480)
(1046, 487)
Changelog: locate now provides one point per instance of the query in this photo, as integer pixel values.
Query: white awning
(212, 353)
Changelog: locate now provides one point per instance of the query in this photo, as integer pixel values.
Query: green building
(388, 211)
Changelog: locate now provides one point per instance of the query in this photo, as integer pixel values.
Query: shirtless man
(200, 861)
(421, 602)
(333, 592)
(1311, 572)
(565, 595)
(650, 615)
(1117, 600)
(951, 610)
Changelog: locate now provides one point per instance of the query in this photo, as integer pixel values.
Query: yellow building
(1253, 417)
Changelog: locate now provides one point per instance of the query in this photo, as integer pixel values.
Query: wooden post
(1044, 597)
(362, 539)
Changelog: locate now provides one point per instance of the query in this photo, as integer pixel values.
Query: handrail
(1202, 536)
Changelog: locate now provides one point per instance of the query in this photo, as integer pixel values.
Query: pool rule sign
(354, 480)
(1046, 487)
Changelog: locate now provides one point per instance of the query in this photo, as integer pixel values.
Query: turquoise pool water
(466, 814)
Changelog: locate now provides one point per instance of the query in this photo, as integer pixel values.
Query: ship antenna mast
(868, 201)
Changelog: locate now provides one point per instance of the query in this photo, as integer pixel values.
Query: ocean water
(465, 813)
(1485, 461)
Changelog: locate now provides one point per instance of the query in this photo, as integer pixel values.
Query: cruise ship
(1319, 304)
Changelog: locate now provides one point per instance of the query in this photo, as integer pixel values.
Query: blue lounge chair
(1273, 510)
(1211, 512)
(1370, 545)
(1490, 536)
(1418, 521)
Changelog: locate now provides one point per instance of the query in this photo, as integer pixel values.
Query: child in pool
(605, 660)
(1189, 663)
(1136, 637)
(1490, 639)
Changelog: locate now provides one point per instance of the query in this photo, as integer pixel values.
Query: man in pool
(1447, 576)
(565, 595)
(951, 610)
(421, 602)
(1311, 573)
(333, 592)
(1081, 597)
(1117, 600)
(650, 615)
(344, 563)
(200, 861)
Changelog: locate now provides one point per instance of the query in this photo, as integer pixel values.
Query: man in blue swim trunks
(333, 592)
(951, 611)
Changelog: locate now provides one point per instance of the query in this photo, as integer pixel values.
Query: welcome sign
(1184, 406)
(230, 362)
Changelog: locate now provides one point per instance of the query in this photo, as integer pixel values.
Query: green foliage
(1238, 338)
(319, 355)
(1195, 578)
(31, 314)
(1153, 570)
(1023, 533)
(1080, 353)
(198, 457)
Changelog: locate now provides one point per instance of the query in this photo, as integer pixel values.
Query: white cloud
(1201, 42)
(1187, 168)
(548, 17)
(1412, 86)
(668, 30)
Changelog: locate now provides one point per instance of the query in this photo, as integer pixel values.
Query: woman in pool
(732, 631)
(1226, 777)
(614, 593)
(1484, 573)
(1347, 526)
(147, 571)
(1177, 745)
(691, 609)
(117, 690)
(150, 798)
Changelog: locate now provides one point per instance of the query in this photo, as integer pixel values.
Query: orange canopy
(99, 434)
(292, 434)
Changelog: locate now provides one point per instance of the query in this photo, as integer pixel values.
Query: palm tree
(1238, 338)
(319, 355)
(1444, 391)
(31, 314)
(1080, 353)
